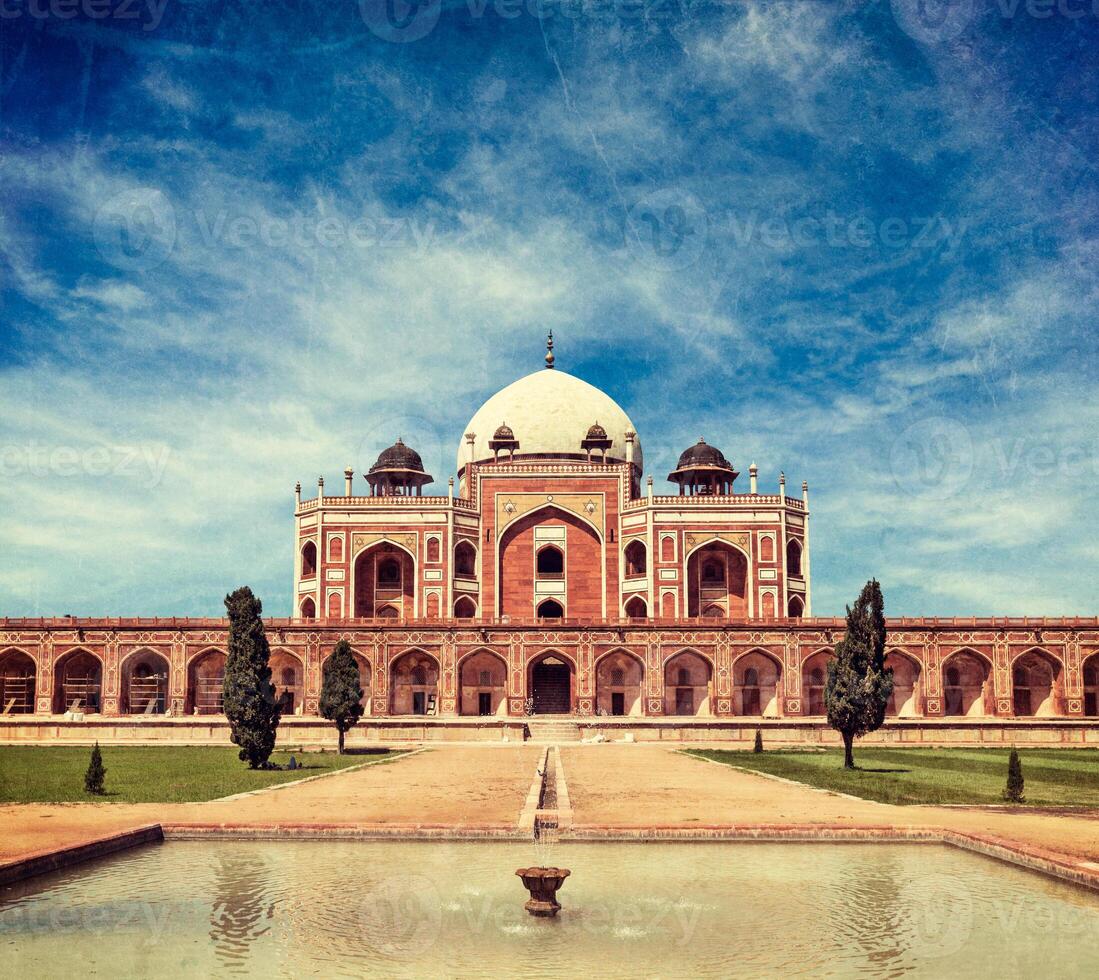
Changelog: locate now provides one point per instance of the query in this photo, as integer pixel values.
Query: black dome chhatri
(597, 439)
(398, 457)
(399, 470)
(703, 469)
(503, 438)
(702, 454)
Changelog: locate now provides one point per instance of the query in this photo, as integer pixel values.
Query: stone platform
(313, 732)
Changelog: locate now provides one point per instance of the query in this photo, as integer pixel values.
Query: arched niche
(1037, 689)
(687, 683)
(757, 683)
(906, 701)
(144, 688)
(618, 684)
(205, 681)
(78, 682)
(967, 685)
(482, 684)
(18, 682)
(414, 684)
(717, 582)
(814, 676)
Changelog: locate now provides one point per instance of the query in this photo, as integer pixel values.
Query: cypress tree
(758, 747)
(250, 702)
(859, 684)
(93, 778)
(1013, 792)
(341, 690)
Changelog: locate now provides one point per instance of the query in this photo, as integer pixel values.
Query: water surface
(455, 910)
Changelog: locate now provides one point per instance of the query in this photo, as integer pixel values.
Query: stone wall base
(734, 732)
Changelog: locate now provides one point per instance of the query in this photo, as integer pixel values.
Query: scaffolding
(148, 695)
(17, 694)
(209, 698)
(81, 694)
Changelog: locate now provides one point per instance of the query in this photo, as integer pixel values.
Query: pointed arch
(688, 676)
(465, 559)
(144, 688)
(757, 684)
(1090, 675)
(793, 558)
(906, 701)
(78, 682)
(373, 585)
(18, 682)
(288, 678)
(205, 680)
(549, 561)
(716, 575)
(619, 682)
(1037, 684)
(309, 559)
(550, 609)
(636, 608)
(814, 676)
(414, 683)
(551, 682)
(482, 683)
(465, 608)
(967, 683)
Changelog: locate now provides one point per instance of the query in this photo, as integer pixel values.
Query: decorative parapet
(717, 500)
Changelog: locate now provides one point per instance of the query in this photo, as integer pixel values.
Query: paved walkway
(453, 786)
(632, 787)
(637, 786)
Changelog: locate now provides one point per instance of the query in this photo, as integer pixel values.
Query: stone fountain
(543, 883)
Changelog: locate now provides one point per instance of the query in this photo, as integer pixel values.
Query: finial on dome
(549, 350)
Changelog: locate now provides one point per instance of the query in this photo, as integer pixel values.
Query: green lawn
(152, 774)
(1054, 777)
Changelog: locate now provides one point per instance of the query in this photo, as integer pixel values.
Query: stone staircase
(553, 731)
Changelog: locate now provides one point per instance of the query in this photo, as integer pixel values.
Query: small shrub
(1013, 791)
(93, 778)
(758, 747)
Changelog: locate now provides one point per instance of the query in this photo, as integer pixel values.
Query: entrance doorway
(684, 701)
(419, 703)
(618, 703)
(550, 680)
(484, 704)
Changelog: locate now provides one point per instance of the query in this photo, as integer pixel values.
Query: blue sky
(246, 244)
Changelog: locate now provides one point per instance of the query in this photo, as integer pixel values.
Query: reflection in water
(390, 909)
(242, 909)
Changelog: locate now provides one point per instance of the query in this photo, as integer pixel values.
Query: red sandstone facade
(547, 581)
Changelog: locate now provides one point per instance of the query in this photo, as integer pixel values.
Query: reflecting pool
(653, 910)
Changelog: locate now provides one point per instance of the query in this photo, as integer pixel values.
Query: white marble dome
(550, 412)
